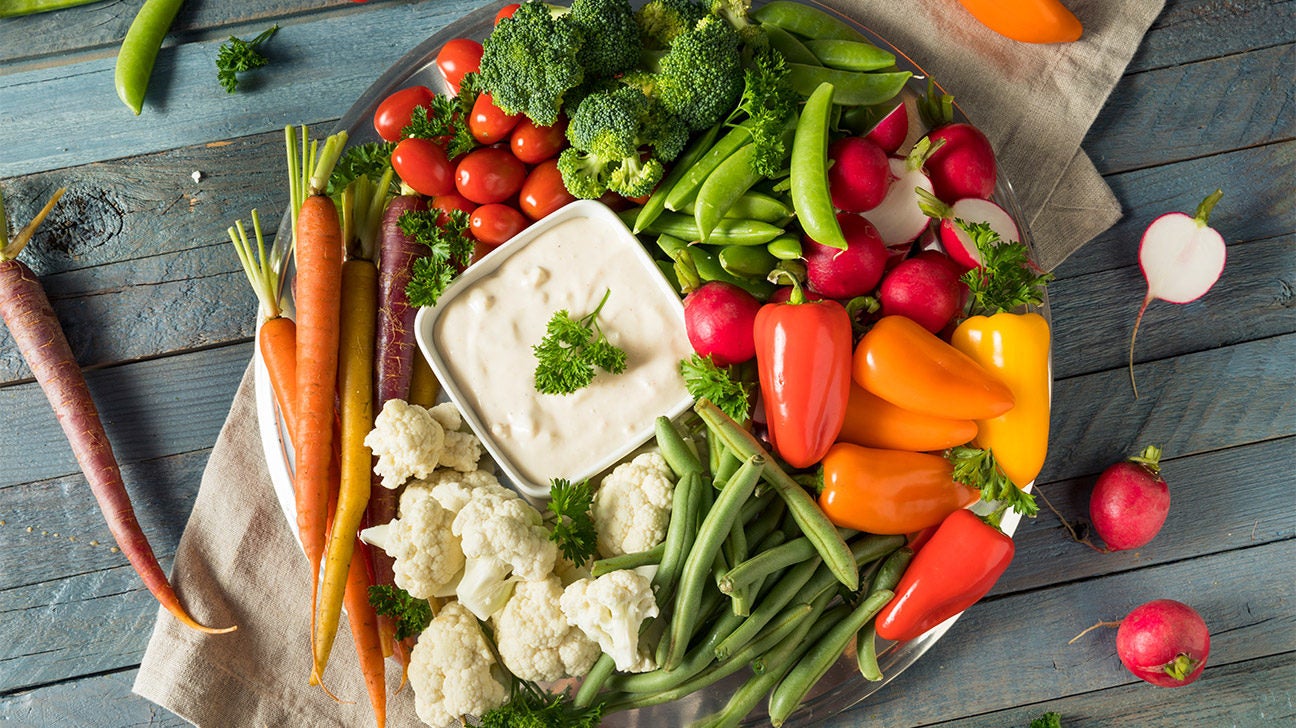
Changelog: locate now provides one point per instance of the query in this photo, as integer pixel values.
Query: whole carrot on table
(36, 330)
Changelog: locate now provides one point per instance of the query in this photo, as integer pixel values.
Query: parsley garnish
(573, 527)
(237, 56)
(1006, 279)
(451, 250)
(412, 615)
(1050, 719)
(704, 379)
(530, 706)
(445, 119)
(370, 159)
(572, 349)
(977, 468)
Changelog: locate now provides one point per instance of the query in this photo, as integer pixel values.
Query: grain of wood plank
(150, 409)
(90, 702)
(1195, 30)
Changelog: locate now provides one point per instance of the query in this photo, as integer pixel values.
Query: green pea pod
(668, 272)
(657, 202)
(727, 231)
(139, 50)
(850, 88)
(809, 179)
(709, 269)
(749, 261)
(728, 182)
(792, 48)
(760, 206)
(15, 8)
(787, 247)
(806, 21)
(685, 190)
(850, 55)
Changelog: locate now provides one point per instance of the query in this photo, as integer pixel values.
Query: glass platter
(842, 687)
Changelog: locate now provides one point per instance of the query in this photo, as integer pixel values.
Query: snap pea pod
(810, 197)
(806, 21)
(139, 50)
(786, 247)
(792, 48)
(850, 55)
(756, 205)
(722, 188)
(685, 190)
(727, 231)
(748, 261)
(807, 671)
(668, 272)
(851, 88)
(15, 8)
(657, 201)
(708, 267)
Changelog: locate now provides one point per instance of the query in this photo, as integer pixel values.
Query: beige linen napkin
(238, 562)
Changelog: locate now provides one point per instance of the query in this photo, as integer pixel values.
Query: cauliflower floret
(453, 671)
(428, 557)
(632, 506)
(610, 610)
(454, 489)
(504, 539)
(535, 642)
(411, 441)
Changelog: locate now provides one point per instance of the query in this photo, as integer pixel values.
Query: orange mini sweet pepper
(1029, 21)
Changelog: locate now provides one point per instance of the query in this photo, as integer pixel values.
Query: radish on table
(1181, 258)
(1130, 501)
(39, 336)
(1164, 642)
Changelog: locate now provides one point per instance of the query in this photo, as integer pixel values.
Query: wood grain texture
(98, 700)
(1194, 30)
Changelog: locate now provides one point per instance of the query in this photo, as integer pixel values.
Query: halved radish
(953, 238)
(898, 218)
(891, 131)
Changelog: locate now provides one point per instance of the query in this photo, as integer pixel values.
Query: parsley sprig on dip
(571, 351)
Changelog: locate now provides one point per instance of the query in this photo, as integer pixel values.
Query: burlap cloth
(237, 562)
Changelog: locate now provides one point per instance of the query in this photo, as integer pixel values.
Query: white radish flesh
(972, 210)
(898, 218)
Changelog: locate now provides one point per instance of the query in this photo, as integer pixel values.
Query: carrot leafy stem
(572, 349)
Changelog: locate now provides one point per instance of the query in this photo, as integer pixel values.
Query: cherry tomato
(534, 144)
(543, 191)
(496, 222)
(487, 122)
(394, 113)
(506, 12)
(451, 201)
(489, 174)
(458, 57)
(422, 164)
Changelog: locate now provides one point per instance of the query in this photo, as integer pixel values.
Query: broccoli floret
(661, 21)
(619, 138)
(700, 78)
(531, 60)
(583, 174)
(636, 177)
(612, 42)
(737, 13)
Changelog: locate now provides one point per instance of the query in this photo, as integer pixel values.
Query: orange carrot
(36, 331)
(364, 632)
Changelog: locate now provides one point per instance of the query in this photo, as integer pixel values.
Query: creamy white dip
(485, 334)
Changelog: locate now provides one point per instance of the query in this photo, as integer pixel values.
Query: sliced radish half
(973, 210)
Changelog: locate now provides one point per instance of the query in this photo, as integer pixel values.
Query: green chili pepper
(139, 50)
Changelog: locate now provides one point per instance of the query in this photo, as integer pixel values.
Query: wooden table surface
(142, 276)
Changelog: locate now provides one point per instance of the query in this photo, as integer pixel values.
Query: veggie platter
(962, 227)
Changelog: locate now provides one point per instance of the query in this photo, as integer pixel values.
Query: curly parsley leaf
(445, 119)
(1006, 279)
(530, 706)
(977, 468)
(770, 103)
(1050, 719)
(704, 379)
(572, 350)
(370, 159)
(237, 56)
(411, 614)
(450, 248)
(573, 526)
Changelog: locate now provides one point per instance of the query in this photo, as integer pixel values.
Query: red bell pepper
(803, 358)
(955, 568)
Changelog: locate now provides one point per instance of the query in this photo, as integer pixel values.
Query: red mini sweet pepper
(952, 571)
(803, 359)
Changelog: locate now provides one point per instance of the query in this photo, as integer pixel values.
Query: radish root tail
(1133, 335)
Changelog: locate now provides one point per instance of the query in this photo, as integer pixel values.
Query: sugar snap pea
(722, 188)
(685, 190)
(727, 231)
(15, 8)
(810, 197)
(139, 50)
(806, 21)
(785, 247)
(850, 88)
(748, 261)
(707, 263)
(657, 201)
(792, 47)
(850, 55)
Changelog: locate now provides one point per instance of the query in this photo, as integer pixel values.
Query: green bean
(708, 268)
(788, 587)
(727, 231)
(15, 8)
(593, 681)
(726, 183)
(787, 247)
(810, 196)
(685, 190)
(713, 530)
(767, 562)
(680, 532)
(850, 55)
(747, 261)
(850, 88)
(657, 201)
(792, 48)
(726, 465)
(812, 521)
(807, 671)
(674, 450)
(628, 561)
(698, 658)
(139, 50)
(806, 21)
(892, 568)
(866, 653)
(735, 547)
(771, 511)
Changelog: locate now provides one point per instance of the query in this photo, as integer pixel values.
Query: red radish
(720, 319)
(847, 273)
(898, 219)
(954, 238)
(890, 132)
(925, 288)
(963, 165)
(859, 176)
(1130, 501)
(1164, 642)
(1181, 258)
(39, 336)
